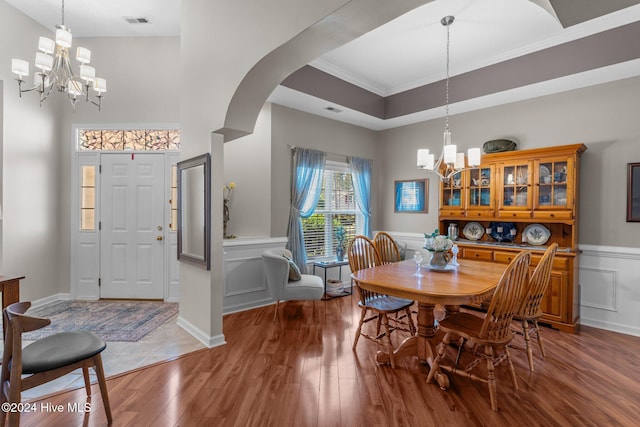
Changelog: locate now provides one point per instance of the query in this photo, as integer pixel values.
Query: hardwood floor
(302, 372)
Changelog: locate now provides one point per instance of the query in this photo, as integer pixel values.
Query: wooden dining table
(470, 282)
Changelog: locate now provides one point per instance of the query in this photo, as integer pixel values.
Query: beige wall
(603, 117)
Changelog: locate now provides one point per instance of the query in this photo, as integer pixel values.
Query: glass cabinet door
(452, 192)
(552, 176)
(515, 186)
(480, 182)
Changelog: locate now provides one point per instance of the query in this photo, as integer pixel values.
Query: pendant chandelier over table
(450, 161)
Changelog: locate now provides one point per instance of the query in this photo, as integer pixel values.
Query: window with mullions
(336, 207)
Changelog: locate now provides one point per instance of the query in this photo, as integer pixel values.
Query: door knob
(159, 238)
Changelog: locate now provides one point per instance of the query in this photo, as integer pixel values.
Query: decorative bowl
(499, 145)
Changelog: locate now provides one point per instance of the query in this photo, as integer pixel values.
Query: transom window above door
(135, 139)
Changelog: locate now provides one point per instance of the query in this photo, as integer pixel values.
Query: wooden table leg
(451, 309)
(418, 345)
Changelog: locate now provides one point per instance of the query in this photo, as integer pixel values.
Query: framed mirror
(194, 211)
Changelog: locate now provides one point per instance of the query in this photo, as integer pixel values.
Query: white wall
(37, 146)
(220, 42)
(31, 153)
(247, 163)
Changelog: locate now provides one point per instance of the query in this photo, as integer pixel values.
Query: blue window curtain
(361, 176)
(308, 169)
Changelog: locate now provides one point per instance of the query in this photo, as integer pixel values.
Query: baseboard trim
(209, 341)
(51, 299)
(611, 326)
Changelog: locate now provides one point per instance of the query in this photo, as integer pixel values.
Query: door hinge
(99, 225)
(99, 282)
(100, 168)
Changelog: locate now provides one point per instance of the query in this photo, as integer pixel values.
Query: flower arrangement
(435, 242)
(226, 195)
(227, 190)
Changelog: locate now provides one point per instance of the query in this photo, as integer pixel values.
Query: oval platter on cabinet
(473, 230)
(536, 234)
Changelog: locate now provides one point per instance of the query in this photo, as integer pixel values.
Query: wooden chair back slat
(507, 299)
(362, 254)
(387, 248)
(538, 284)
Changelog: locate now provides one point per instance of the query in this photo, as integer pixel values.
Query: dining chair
(45, 359)
(531, 311)
(387, 247)
(362, 254)
(286, 283)
(486, 339)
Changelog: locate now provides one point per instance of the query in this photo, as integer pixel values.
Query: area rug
(111, 320)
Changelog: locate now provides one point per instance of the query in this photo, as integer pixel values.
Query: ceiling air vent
(131, 20)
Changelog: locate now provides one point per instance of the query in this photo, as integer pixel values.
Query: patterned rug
(111, 320)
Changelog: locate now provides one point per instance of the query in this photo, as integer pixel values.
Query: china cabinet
(525, 199)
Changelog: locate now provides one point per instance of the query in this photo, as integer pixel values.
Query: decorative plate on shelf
(536, 234)
(473, 231)
(501, 231)
(545, 175)
(560, 197)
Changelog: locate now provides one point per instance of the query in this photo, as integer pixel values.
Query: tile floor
(166, 342)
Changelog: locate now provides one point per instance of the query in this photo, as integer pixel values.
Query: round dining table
(469, 282)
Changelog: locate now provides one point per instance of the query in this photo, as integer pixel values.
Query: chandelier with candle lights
(450, 161)
(55, 71)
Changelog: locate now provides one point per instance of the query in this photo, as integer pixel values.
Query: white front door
(132, 226)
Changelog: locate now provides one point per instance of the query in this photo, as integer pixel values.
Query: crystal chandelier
(54, 65)
(450, 161)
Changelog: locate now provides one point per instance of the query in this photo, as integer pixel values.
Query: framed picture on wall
(411, 196)
(633, 192)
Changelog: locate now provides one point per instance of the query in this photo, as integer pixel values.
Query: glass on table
(417, 257)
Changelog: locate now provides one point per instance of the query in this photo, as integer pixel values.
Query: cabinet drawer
(559, 263)
(480, 214)
(550, 215)
(452, 212)
(504, 257)
(479, 254)
(514, 214)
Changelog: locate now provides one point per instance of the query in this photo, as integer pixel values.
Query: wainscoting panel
(245, 281)
(610, 288)
(600, 292)
(241, 272)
